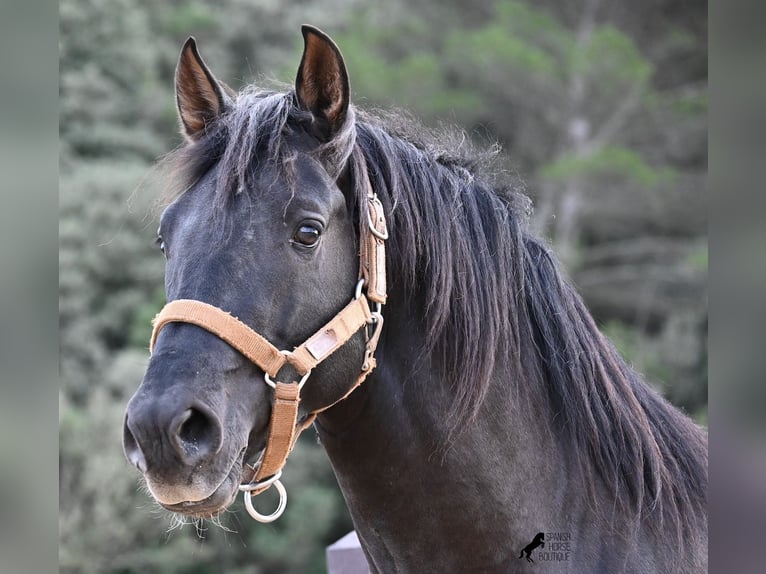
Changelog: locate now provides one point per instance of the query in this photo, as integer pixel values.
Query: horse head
(266, 231)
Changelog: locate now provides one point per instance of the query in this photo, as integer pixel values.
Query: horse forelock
(261, 128)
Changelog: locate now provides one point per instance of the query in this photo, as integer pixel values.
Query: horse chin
(221, 497)
(201, 499)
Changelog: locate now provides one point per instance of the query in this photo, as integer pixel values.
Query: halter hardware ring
(273, 385)
(358, 293)
(266, 518)
(251, 486)
(374, 326)
(358, 290)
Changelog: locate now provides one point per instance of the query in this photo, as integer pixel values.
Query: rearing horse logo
(538, 540)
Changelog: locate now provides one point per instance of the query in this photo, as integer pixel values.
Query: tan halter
(283, 425)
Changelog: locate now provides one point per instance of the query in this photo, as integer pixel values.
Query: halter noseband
(283, 426)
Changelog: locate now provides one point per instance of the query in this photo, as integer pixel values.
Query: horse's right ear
(199, 96)
(321, 85)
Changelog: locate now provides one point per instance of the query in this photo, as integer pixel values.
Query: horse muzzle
(183, 432)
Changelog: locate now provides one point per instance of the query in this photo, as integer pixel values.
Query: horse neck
(466, 499)
(403, 468)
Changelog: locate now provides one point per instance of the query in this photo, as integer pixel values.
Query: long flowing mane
(491, 293)
(492, 289)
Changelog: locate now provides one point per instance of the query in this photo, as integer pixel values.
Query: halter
(284, 428)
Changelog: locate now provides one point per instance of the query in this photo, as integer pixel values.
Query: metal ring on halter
(358, 290)
(250, 486)
(376, 324)
(266, 518)
(273, 385)
(376, 314)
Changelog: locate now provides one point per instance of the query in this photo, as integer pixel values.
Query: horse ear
(322, 82)
(199, 96)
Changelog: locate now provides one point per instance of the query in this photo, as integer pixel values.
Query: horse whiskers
(178, 521)
(199, 526)
(144, 488)
(217, 521)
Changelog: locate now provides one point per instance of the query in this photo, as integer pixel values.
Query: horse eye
(160, 242)
(307, 235)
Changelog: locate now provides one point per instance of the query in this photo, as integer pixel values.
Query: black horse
(538, 540)
(496, 405)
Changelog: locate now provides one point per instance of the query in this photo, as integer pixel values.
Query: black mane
(490, 289)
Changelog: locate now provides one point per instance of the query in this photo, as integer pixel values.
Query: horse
(538, 540)
(491, 403)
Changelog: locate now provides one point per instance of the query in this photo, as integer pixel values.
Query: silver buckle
(378, 210)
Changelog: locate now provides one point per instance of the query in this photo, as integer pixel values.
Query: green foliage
(519, 39)
(179, 19)
(108, 77)
(611, 58)
(611, 161)
(698, 258)
(107, 265)
(412, 79)
(690, 104)
(141, 327)
(494, 48)
(632, 347)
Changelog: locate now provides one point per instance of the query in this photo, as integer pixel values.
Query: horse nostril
(198, 433)
(133, 452)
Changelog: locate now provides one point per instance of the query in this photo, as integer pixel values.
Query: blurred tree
(108, 78)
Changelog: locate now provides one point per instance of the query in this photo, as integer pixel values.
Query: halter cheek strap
(283, 425)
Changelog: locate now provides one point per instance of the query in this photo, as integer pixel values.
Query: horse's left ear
(322, 82)
(200, 97)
